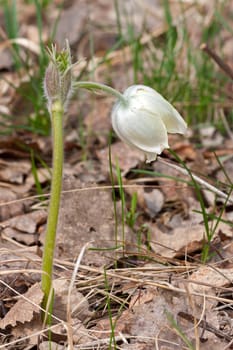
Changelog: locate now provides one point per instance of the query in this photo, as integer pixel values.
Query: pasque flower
(58, 76)
(143, 118)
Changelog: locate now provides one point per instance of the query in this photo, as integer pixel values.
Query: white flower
(144, 120)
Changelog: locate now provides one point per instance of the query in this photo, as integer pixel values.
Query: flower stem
(89, 85)
(57, 112)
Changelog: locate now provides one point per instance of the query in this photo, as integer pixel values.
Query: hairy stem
(89, 85)
(56, 185)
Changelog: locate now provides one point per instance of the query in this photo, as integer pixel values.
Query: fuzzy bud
(58, 77)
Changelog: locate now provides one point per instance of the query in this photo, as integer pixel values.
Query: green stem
(98, 86)
(56, 185)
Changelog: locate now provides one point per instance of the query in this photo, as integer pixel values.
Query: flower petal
(140, 128)
(150, 157)
(150, 100)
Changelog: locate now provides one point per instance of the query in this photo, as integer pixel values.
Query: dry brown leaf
(177, 242)
(25, 238)
(103, 327)
(185, 150)
(25, 307)
(126, 156)
(6, 59)
(80, 333)
(210, 137)
(228, 169)
(29, 329)
(90, 172)
(42, 175)
(208, 279)
(26, 223)
(149, 318)
(14, 172)
(79, 304)
(88, 216)
(142, 297)
(50, 345)
(13, 209)
(100, 122)
(154, 200)
(149, 199)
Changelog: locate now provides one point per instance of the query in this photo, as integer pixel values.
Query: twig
(227, 69)
(68, 310)
(207, 326)
(226, 125)
(197, 179)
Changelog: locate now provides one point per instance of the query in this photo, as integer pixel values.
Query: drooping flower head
(144, 118)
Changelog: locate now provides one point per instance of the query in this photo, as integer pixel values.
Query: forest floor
(157, 268)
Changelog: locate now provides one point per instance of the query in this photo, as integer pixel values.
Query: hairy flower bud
(58, 76)
(144, 120)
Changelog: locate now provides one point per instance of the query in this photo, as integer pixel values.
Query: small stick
(205, 325)
(225, 67)
(197, 179)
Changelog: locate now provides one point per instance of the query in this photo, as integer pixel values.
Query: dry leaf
(25, 238)
(126, 156)
(29, 329)
(79, 304)
(14, 172)
(9, 210)
(88, 216)
(154, 201)
(208, 279)
(24, 308)
(50, 345)
(179, 241)
(26, 223)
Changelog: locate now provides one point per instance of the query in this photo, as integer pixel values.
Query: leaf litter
(139, 287)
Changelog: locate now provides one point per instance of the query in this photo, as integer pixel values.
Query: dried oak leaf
(9, 210)
(26, 223)
(46, 345)
(29, 329)
(206, 280)
(88, 216)
(14, 172)
(119, 150)
(25, 307)
(176, 243)
(80, 305)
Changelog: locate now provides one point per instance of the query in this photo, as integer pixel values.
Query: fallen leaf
(29, 329)
(185, 150)
(79, 304)
(88, 216)
(14, 172)
(178, 242)
(25, 238)
(210, 137)
(119, 150)
(26, 223)
(24, 308)
(50, 345)
(9, 210)
(208, 281)
(154, 200)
